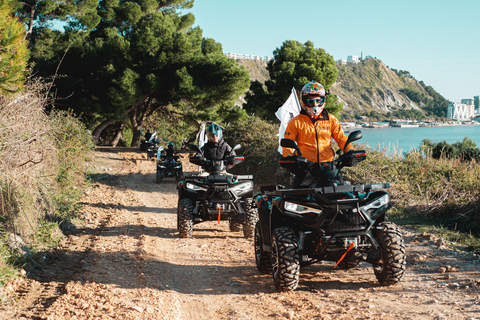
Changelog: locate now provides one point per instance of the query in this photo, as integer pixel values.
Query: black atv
(330, 221)
(152, 149)
(168, 166)
(216, 196)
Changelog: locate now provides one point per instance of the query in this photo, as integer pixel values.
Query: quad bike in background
(215, 196)
(152, 149)
(332, 220)
(167, 166)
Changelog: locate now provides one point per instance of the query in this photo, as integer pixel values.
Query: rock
(16, 243)
(441, 270)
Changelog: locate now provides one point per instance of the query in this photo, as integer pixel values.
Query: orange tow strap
(219, 209)
(350, 247)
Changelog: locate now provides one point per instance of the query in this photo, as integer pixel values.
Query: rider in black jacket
(216, 148)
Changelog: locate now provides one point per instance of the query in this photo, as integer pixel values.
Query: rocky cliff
(370, 86)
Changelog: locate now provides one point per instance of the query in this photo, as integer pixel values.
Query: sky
(437, 41)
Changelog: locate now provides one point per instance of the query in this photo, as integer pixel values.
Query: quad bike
(332, 220)
(216, 196)
(167, 166)
(152, 149)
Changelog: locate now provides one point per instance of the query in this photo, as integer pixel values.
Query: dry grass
(41, 170)
(27, 161)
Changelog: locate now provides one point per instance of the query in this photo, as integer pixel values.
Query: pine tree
(294, 65)
(13, 52)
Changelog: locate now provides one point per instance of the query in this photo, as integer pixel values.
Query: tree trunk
(137, 123)
(98, 130)
(118, 134)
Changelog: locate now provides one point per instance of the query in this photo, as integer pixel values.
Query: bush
(442, 190)
(41, 168)
(259, 142)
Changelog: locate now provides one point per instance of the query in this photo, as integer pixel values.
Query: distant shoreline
(422, 125)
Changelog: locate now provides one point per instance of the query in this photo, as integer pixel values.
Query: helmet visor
(214, 137)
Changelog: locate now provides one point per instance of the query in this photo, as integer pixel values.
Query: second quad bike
(168, 166)
(332, 220)
(216, 195)
(152, 148)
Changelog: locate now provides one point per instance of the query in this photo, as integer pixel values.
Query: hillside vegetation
(371, 86)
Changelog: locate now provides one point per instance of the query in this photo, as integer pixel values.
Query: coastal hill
(370, 85)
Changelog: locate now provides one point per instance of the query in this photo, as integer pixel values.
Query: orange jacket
(314, 137)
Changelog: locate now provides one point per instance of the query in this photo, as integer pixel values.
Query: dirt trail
(127, 262)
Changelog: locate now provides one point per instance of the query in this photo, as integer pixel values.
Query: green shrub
(443, 190)
(259, 143)
(73, 143)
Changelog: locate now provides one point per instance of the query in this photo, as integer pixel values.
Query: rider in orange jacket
(313, 129)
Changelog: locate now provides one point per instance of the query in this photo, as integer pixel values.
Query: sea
(396, 140)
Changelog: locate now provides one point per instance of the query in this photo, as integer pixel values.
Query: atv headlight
(373, 207)
(296, 208)
(194, 187)
(242, 188)
(161, 167)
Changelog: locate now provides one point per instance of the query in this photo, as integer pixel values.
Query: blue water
(398, 140)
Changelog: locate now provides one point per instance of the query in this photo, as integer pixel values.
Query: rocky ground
(126, 261)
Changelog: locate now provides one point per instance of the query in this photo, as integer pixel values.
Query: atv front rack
(217, 177)
(285, 191)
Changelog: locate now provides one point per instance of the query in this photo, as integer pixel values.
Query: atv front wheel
(250, 219)
(391, 266)
(263, 259)
(185, 218)
(285, 259)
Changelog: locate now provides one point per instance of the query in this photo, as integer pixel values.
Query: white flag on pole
(202, 139)
(285, 113)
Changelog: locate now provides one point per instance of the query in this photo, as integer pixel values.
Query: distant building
(467, 101)
(238, 56)
(353, 59)
(476, 103)
(460, 111)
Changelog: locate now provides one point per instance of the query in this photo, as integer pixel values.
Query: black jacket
(217, 150)
(170, 152)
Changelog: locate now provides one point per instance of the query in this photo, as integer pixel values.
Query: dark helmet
(316, 92)
(170, 145)
(214, 132)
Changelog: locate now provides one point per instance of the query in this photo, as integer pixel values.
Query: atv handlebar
(216, 165)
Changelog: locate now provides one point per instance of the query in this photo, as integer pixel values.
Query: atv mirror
(289, 143)
(235, 147)
(353, 136)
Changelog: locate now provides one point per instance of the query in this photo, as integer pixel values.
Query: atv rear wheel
(234, 225)
(285, 259)
(263, 259)
(159, 177)
(185, 218)
(250, 219)
(391, 266)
